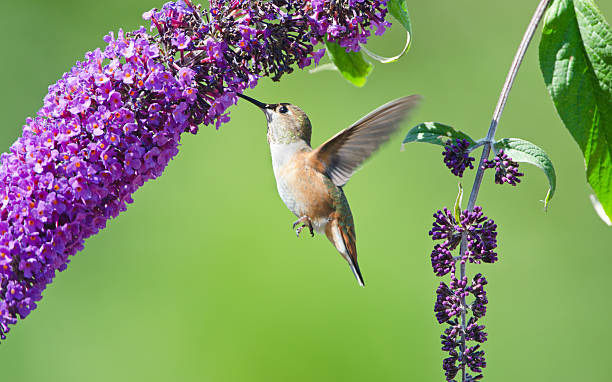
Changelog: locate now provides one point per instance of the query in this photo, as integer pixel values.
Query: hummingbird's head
(287, 123)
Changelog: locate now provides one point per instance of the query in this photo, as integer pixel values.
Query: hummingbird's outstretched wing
(343, 153)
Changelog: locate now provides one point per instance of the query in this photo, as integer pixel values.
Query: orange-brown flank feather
(308, 186)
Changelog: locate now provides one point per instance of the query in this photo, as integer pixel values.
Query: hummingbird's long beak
(255, 102)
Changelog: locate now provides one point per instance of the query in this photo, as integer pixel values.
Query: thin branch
(501, 103)
(503, 97)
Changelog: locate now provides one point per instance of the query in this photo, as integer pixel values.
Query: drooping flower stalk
(115, 120)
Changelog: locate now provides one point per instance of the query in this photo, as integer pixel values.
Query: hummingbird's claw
(305, 221)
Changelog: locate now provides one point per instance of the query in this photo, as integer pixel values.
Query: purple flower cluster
(347, 22)
(451, 302)
(451, 306)
(474, 359)
(448, 301)
(457, 156)
(115, 120)
(236, 42)
(481, 234)
(109, 125)
(506, 170)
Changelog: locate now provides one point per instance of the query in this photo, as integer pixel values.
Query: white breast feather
(282, 153)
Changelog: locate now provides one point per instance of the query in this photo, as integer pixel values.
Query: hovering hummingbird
(310, 181)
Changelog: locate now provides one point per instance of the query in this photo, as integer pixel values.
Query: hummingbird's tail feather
(355, 268)
(343, 239)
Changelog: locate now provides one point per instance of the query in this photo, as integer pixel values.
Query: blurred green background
(203, 279)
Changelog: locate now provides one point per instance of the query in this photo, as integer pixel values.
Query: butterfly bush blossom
(456, 300)
(115, 120)
(456, 156)
(506, 170)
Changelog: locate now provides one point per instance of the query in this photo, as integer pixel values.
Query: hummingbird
(310, 181)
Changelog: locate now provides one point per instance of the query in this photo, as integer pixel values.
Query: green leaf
(436, 133)
(399, 10)
(576, 61)
(351, 65)
(458, 201)
(526, 152)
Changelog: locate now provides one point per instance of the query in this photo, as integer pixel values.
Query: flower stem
(503, 97)
(501, 103)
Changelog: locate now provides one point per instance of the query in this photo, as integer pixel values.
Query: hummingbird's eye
(283, 109)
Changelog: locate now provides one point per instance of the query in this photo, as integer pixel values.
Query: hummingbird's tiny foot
(305, 221)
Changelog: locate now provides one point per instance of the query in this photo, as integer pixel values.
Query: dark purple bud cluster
(475, 332)
(236, 42)
(457, 156)
(442, 260)
(452, 306)
(448, 302)
(115, 120)
(506, 170)
(479, 308)
(474, 360)
(347, 21)
(481, 238)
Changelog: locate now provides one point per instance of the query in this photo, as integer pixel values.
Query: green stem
(501, 103)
